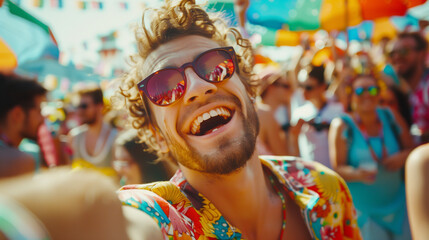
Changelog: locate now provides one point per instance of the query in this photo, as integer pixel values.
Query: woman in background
(273, 108)
(368, 148)
(135, 165)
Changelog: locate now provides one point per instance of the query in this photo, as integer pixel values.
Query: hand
(367, 176)
(394, 162)
(296, 129)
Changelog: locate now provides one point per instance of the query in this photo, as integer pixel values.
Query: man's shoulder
(14, 162)
(302, 174)
(164, 203)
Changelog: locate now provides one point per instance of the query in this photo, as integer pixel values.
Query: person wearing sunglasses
(311, 121)
(92, 142)
(408, 58)
(189, 95)
(368, 148)
(273, 108)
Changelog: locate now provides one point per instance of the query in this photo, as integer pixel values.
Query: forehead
(85, 98)
(178, 51)
(405, 42)
(310, 81)
(364, 81)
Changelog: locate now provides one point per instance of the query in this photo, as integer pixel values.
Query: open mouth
(210, 121)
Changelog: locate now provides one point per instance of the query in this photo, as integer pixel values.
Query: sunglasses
(83, 106)
(372, 90)
(282, 85)
(307, 87)
(401, 52)
(167, 86)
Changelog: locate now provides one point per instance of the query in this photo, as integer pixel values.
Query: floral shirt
(183, 213)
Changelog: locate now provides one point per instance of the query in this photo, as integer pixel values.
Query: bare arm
(272, 134)
(417, 185)
(140, 225)
(70, 204)
(397, 161)
(338, 152)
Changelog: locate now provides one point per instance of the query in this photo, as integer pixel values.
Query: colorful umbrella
(380, 28)
(299, 15)
(23, 38)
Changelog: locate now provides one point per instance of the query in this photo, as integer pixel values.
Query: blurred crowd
(359, 114)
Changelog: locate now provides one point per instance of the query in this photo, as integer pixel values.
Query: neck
(96, 126)
(243, 197)
(368, 118)
(319, 102)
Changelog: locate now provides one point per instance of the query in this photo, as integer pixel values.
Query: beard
(230, 154)
(30, 131)
(90, 120)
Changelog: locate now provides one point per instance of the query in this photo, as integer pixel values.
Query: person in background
(92, 142)
(417, 185)
(20, 117)
(189, 94)
(312, 120)
(273, 110)
(408, 58)
(61, 204)
(135, 164)
(392, 97)
(368, 148)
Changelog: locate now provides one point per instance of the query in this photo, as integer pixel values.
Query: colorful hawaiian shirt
(183, 213)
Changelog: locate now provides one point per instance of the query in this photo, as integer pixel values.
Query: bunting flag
(17, 27)
(38, 3)
(94, 4)
(81, 5)
(124, 5)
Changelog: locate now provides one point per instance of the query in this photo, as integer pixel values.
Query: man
(196, 106)
(92, 142)
(312, 120)
(20, 118)
(408, 59)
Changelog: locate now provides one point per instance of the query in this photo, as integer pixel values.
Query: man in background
(408, 59)
(20, 117)
(92, 141)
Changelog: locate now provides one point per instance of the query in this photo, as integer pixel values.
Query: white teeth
(206, 116)
(195, 127)
(213, 113)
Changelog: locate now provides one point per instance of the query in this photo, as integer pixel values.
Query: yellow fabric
(8, 59)
(383, 27)
(333, 14)
(82, 164)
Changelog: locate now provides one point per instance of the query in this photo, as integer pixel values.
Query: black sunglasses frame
(142, 85)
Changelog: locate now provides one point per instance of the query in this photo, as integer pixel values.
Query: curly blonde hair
(174, 20)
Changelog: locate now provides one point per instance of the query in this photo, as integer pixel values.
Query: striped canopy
(23, 38)
(299, 15)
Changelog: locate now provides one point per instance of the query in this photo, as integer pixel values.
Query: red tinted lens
(215, 66)
(165, 87)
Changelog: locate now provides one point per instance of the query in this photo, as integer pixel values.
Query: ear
(162, 143)
(16, 115)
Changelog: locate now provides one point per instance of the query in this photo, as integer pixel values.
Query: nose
(197, 89)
